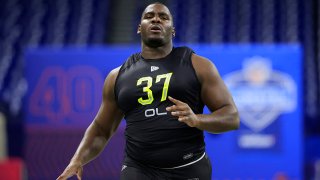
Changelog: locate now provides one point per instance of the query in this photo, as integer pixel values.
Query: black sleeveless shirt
(153, 136)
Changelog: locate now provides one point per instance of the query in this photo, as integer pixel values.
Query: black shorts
(200, 170)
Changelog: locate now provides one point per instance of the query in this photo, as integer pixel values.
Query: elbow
(237, 123)
(236, 120)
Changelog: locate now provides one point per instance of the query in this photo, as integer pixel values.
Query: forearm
(221, 120)
(91, 145)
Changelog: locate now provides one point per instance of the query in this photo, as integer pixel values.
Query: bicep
(109, 115)
(214, 92)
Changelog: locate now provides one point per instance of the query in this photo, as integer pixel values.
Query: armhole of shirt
(115, 89)
(115, 84)
(130, 60)
(190, 53)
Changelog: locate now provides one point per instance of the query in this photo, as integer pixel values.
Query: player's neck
(156, 53)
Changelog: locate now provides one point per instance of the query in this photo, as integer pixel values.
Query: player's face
(156, 27)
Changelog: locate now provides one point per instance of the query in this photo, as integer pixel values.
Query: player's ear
(139, 29)
(173, 32)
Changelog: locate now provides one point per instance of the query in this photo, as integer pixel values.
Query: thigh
(141, 173)
(132, 173)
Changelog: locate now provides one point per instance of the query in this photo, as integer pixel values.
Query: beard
(154, 42)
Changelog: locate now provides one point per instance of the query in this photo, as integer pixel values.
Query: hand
(71, 170)
(183, 112)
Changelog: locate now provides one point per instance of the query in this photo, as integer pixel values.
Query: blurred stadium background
(42, 153)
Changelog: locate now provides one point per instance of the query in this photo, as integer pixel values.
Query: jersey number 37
(146, 89)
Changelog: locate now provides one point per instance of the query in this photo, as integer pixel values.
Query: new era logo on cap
(154, 68)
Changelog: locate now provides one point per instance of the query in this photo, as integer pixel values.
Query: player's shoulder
(201, 60)
(133, 58)
(114, 72)
(110, 80)
(204, 67)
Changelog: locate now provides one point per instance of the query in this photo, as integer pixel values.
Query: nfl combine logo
(262, 95)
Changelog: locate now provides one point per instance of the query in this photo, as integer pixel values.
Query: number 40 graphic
(72, 94)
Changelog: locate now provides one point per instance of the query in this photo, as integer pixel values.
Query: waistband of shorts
(188, 164)
(129, 161)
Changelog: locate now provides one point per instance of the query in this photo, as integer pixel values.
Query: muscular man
(161, 92)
